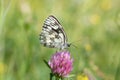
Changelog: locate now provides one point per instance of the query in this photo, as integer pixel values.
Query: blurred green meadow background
(96, 23)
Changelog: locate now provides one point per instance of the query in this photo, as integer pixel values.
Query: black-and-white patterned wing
(52, 34)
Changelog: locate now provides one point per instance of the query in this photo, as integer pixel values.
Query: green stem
(63, 78)
(51, 76)
(57, 78)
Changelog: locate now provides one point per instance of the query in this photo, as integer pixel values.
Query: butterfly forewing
(52, 34)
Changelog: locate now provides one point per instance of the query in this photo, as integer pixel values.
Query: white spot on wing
(55, 27)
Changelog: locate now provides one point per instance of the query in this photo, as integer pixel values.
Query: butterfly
(53, 34)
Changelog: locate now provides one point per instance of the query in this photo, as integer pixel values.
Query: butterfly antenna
(76, 41)
(74, 46)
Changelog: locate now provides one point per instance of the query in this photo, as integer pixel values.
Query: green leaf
(45, 61)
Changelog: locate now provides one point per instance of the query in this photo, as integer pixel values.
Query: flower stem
(62, 79)
(57, 78)
(51, 76)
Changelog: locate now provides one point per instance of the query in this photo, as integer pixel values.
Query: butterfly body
(53, 34)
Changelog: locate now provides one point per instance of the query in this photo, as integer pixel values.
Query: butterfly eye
(69, 44)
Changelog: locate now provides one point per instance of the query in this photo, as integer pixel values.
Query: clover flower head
(61, 63)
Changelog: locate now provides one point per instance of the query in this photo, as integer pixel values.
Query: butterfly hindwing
(52, 34)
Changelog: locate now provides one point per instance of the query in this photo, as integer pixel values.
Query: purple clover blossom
(61, 63)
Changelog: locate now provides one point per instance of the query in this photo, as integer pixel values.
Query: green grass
(95, 23)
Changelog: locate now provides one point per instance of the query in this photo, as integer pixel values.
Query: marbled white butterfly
(53, 34)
